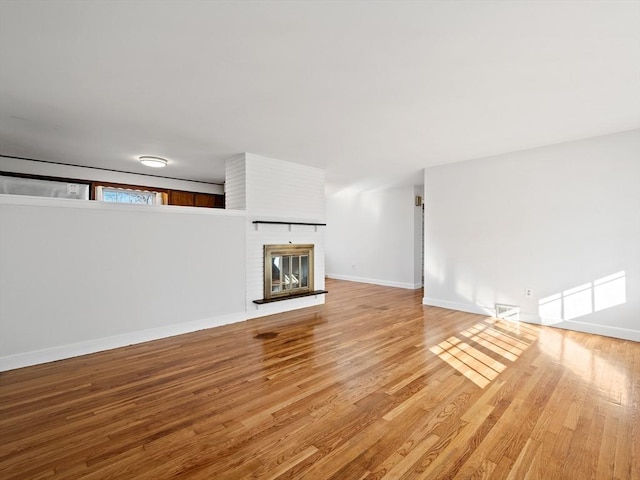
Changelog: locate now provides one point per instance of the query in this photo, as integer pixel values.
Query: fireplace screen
(288, 270)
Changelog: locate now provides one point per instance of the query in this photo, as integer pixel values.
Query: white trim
(461, 307)
(52, 354)
(29, 201)
(584, 327)
(374, 281)
(592, 328)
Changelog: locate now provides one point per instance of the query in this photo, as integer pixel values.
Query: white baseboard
(10, 362)
(461, 307)
(584, 327)
(593, 328)
(385, 283)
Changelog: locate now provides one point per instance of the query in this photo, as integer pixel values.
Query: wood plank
(371, 385)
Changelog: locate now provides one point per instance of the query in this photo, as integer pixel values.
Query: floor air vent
(508, 312)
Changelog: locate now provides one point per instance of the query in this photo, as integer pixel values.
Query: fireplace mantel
(257, 223)
(290, 223)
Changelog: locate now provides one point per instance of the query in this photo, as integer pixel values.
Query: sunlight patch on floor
(606, 377)
(495, 335)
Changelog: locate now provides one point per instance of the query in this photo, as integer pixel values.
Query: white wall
(236, 183)
(372, 235)
(78, 276)
(555, 219)
(18, 165)
(276, 190)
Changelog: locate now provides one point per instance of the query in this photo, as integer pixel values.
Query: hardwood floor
(372, 385)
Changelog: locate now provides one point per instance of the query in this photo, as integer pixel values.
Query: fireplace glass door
(288, 270)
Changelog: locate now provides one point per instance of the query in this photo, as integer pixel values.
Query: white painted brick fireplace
(274, 190)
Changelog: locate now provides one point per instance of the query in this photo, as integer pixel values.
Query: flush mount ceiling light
(155, 162)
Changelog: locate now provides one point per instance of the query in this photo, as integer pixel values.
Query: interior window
(125, 195)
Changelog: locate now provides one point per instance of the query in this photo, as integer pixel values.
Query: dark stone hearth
(289, 297)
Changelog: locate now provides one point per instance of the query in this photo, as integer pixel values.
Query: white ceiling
(370, 91)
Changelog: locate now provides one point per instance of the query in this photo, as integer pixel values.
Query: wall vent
(508, 312)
